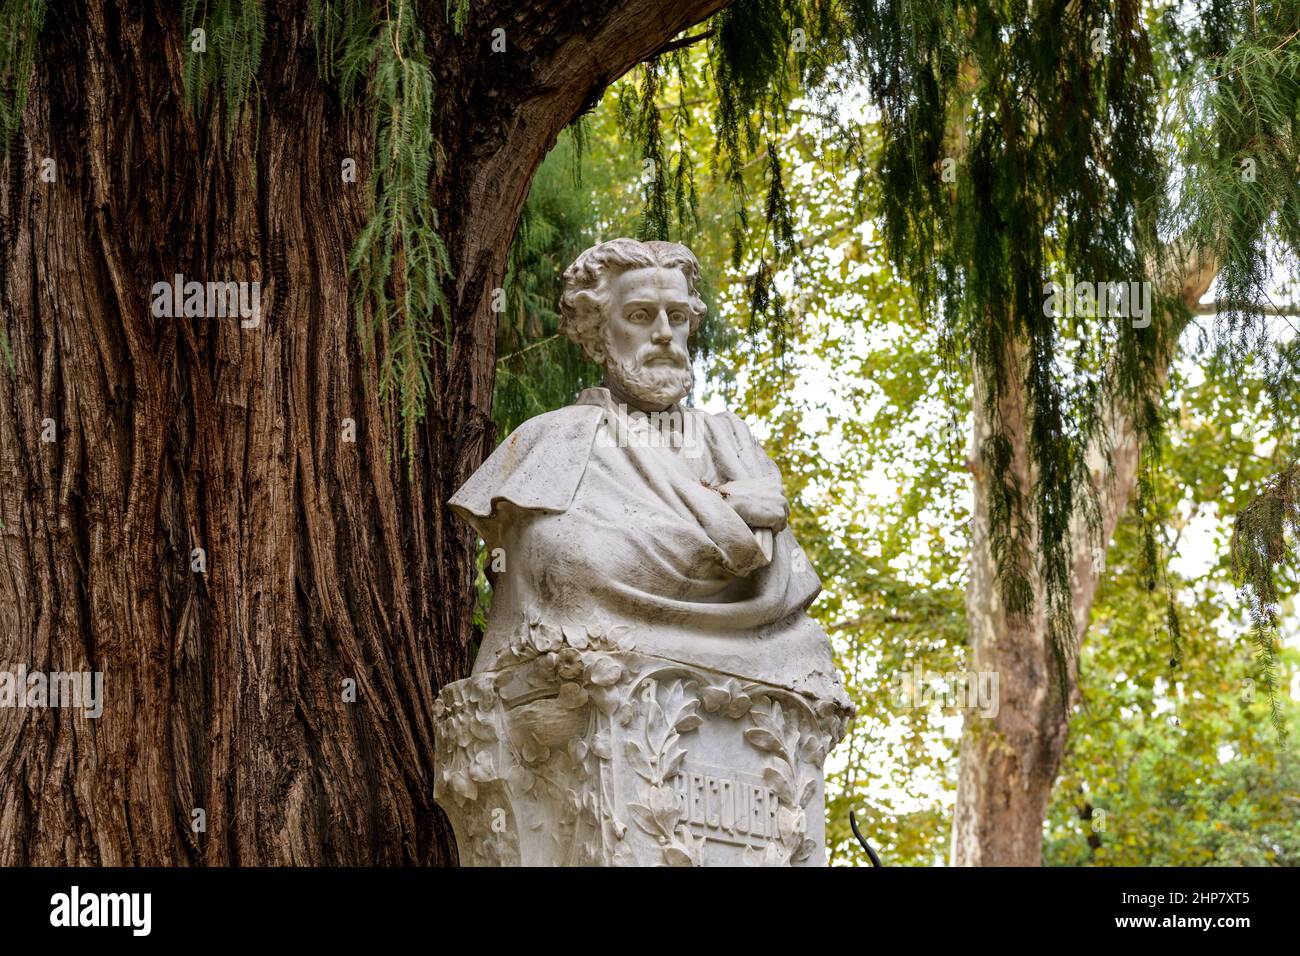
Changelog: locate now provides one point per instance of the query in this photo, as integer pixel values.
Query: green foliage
(1180, 757)
(1171, 769)
(399, 260)
(538, 369)
(1058, 174)
(1259, 546)
(344, 33)
(751, 66)
(234, 32)
(458, 13)
(748, 79)
(1239, 101)
(20, 25)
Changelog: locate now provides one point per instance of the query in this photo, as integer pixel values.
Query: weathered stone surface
(603, 757)
(650, 688)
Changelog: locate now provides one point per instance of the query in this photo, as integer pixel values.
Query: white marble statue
(650, 688)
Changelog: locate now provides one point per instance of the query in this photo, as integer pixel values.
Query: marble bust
(644, 563)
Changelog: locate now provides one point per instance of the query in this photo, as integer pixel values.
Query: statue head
(632, 306)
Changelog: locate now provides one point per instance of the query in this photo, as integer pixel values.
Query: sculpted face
(647, 364)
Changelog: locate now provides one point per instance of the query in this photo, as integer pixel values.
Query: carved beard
(654, 386)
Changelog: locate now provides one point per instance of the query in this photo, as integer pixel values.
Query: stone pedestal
(592, 755)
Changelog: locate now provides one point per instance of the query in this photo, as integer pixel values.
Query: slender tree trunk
(183, 508)
(1009, 763)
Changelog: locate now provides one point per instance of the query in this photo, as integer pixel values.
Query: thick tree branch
(1113, 457)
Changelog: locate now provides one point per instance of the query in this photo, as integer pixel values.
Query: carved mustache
(675, 355)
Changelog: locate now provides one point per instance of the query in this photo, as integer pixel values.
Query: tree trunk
(1009, 763)
(323, 564)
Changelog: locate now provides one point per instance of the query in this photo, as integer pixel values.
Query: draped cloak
(597, 523)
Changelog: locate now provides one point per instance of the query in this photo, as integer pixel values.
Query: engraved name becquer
(724, 805)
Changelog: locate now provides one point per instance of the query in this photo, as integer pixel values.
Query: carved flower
(547, 637)
(715, 698)
(521, 641)
(481, 691)
(663, 800)
(619, 638)
(665, 808)
(483, 729)
(604, 671)
(604, 698)
(460, 730)
(568, 663)
(572, 696)
(533, 614)
(625, 714)
(597, 625)
(575, 635)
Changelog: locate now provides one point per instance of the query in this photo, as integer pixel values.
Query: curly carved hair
(587, 286)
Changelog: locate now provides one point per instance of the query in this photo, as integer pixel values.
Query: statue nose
(662, 332)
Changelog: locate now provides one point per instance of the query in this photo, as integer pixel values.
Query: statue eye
(677, 317)
(638, 316)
